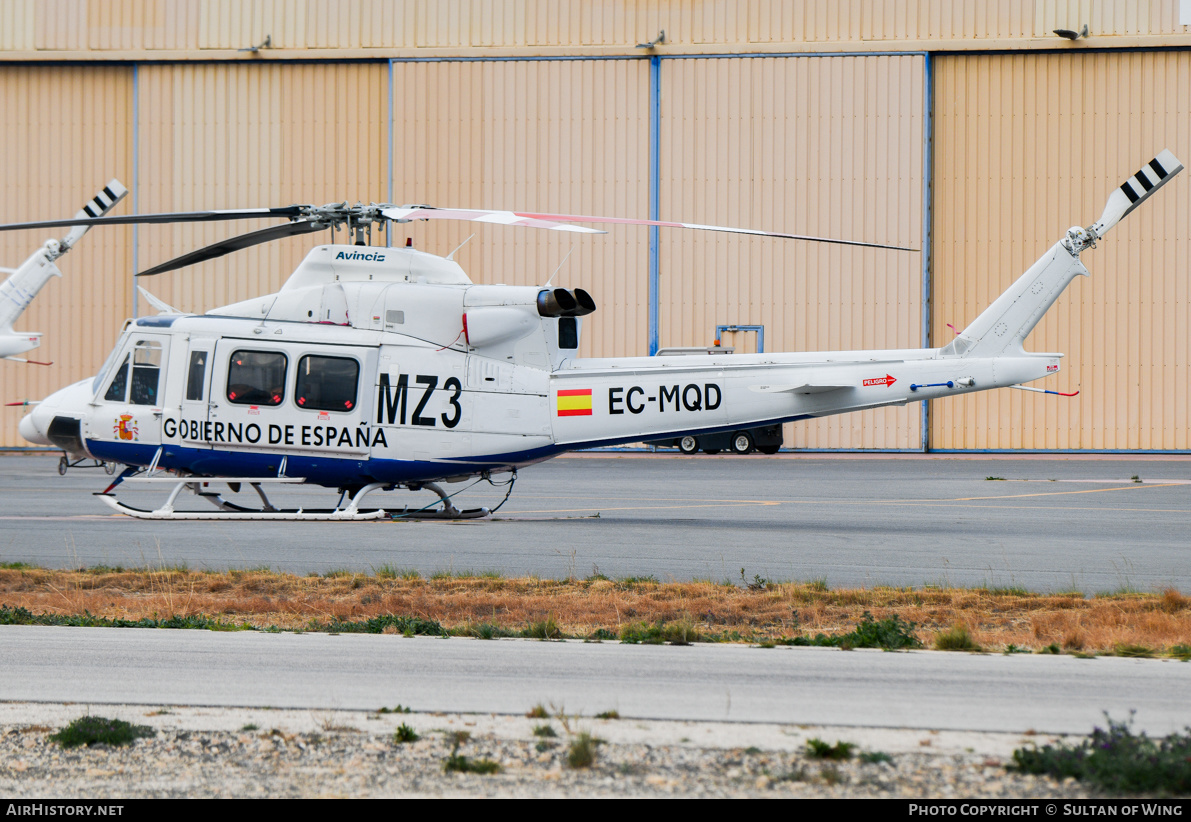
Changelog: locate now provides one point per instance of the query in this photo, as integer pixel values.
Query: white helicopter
(23, 283)
(381, 368)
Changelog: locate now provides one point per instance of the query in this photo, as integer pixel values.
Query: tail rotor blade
(99, 205)
(1134, 191)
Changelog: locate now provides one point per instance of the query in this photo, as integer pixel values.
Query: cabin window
(568, 332)
(256, 378)
(145, 376)
(197, 375)
(327, 383)
(146, 373)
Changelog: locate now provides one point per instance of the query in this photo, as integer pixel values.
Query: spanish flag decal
(575, 402)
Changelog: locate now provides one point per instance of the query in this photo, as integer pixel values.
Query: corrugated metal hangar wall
(889, 122)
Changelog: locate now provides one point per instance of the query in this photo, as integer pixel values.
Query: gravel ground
(210, 752)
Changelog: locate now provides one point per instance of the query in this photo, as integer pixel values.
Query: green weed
(1132, 650)
(1116, 761)
(458, 763)
(23, 616)
(98, 730)
(1005, 590)
(875, 757)
(956, 638)
(759, 582)
(388, 571)
(410, 626)
(543, 629)
(890, 634)
(818, 749)
(485, 630)
(582, 752)
(405, 734)
(645, 580)
(679, 632)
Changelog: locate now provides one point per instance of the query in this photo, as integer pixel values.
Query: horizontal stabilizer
(801, 388)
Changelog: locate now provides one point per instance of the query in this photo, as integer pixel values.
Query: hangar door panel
(1026, 146)
(828, 146)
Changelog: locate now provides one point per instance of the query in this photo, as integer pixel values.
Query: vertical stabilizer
(22, 285)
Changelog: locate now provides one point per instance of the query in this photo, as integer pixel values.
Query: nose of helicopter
(33, 429)
(69, 402)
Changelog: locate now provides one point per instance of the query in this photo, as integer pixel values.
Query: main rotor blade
(237, 243)
(726, 229)
(560, 222)
(289, 212)
(404, 214)
(1134, 191)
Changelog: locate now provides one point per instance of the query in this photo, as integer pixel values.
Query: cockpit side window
(256, 377)
(102, 376)
(118, 388)
(327, 383)
(137, 379)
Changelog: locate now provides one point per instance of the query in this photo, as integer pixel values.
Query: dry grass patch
(496, 606)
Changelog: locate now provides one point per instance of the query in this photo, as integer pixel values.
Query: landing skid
(448, 510)
(228, 510)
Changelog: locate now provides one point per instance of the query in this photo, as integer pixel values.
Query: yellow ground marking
(949, 503)
(1133, 487)
(732, 504)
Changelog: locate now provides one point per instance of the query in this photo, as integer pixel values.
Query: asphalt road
(1054, 523)
(734, 683)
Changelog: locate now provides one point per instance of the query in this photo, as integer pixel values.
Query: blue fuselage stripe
(336, 472)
